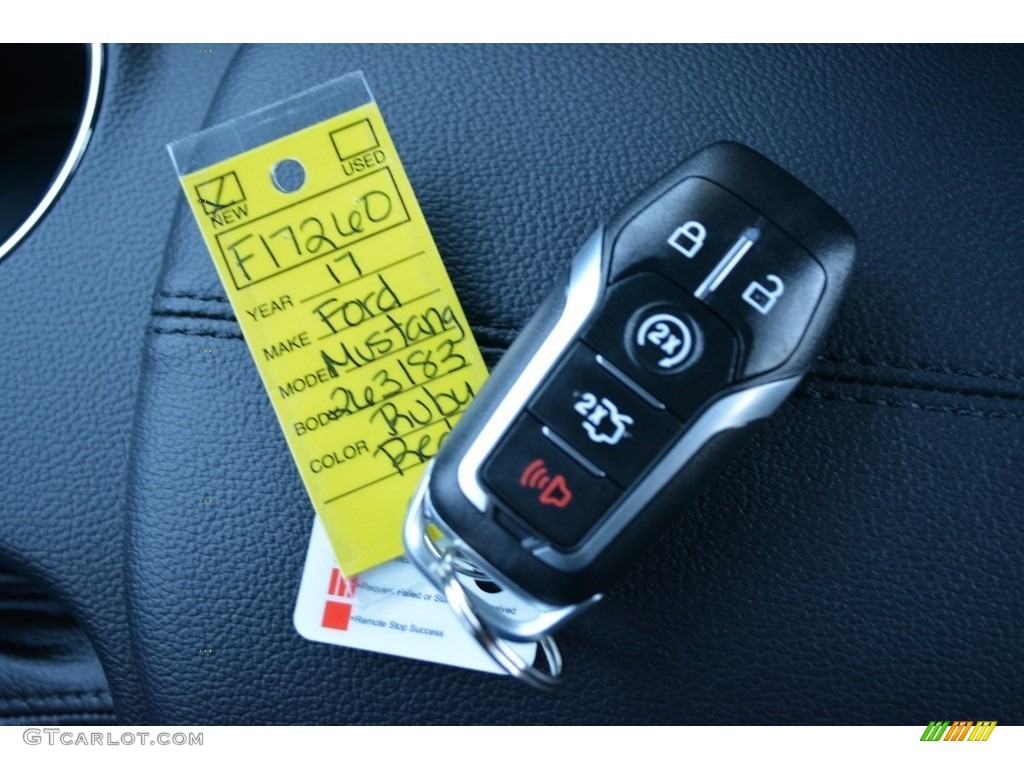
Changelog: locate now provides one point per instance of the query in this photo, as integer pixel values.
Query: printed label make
(349, 314)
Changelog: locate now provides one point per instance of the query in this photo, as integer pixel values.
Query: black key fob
(693, 313)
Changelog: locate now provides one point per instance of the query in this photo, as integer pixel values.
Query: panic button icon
(554, 491)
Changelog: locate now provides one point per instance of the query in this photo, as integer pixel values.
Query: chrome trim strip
(728, 262)
(623, 379)
(421, 514)
(566, 447)
(732, 411)
(74, 154)
(582, 293)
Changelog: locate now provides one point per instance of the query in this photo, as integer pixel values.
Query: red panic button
(545, 488)
(553, 490)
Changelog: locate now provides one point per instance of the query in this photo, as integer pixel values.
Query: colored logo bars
(959, 730)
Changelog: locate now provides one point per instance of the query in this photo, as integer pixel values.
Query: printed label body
(349, 315)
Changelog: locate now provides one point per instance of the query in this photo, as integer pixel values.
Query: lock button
(683, 233)
(769, 299)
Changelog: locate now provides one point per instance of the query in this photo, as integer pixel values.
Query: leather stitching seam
(103, 696)
(862, 360)
(896, 403)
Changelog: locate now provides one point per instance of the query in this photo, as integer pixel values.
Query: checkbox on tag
(217, 194)
(355, 139)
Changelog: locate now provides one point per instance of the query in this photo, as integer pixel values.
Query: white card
(389, 609)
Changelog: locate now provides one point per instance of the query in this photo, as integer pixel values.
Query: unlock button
(769, 299)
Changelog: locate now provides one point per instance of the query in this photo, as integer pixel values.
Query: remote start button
(657, 336)
(661, 341)
(604, 417)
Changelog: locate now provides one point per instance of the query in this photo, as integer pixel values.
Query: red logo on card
(337, 614)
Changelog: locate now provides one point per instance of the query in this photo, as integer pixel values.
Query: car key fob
(690, 315)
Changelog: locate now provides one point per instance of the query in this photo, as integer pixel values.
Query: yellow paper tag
(350, 316)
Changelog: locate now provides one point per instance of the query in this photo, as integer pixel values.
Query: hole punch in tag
(343, 300)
